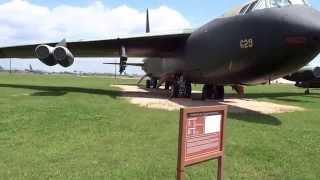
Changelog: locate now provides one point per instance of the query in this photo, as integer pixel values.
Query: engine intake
(63, 56)
(45, 54)
(316, 72)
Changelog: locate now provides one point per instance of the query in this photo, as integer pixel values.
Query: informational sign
(201, 137)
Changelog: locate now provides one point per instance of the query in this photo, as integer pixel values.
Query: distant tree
(1, 68)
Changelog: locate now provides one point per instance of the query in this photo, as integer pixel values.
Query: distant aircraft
(258, 42)
(307, 77)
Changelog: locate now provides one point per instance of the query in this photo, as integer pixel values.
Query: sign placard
(201, 137)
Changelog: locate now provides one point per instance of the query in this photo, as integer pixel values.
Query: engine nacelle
(63, 56)
(307, 73)
(308, 84)
(45, 54)
(316, 72)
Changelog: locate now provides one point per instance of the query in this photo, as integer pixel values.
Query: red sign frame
(201, 137)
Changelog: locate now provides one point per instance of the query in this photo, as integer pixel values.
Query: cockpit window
(263, 4)
(244, 9)
(249, 7)
(253, 4)
(298, 2)
(282, 3)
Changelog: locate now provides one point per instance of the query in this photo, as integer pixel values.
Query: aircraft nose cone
(314, 27)
(304, 21)
(316, 36)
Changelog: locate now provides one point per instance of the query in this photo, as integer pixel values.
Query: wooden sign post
(201, 137)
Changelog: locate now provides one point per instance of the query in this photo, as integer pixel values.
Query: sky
(34, 21)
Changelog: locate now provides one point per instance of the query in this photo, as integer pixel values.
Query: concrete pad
(158, 99)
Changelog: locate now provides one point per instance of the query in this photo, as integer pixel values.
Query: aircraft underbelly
(159, 67)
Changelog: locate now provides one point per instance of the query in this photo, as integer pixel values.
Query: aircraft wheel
(148, 84)
(307, 92)
(219, 92)
(174, 90)
(167, 85)
(207, 91)
(154, 83)
(188, 89)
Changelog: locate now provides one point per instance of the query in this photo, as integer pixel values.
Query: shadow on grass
(61, 90)
(49, 93)
(258, 118)
(283, 96)
(130, 84)
(276, 95)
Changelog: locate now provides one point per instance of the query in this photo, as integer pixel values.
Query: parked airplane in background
(307, 77)
(260, 41)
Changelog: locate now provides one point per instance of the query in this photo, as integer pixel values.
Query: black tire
(188, 90)
(307, 92)
(218, 92)
(154, 83)
(204, 92)
(174, 90)
(207, 91)
(210, 91)
(148, 84)
(167, 85)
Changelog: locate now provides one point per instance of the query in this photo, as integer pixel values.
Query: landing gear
(218, 92)
(174, 90)
(148, 83)
(210, 91)
(151, 83)
(307, 92)
(180, 88)
(154, 83)
(167, 85)
(188, 90)
(207, 91)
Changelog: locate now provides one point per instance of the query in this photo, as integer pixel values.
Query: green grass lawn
(64, 127)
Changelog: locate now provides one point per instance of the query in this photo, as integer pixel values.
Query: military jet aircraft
(260, 41)
(307, 77)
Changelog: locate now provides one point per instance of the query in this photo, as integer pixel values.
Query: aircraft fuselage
(246, 49)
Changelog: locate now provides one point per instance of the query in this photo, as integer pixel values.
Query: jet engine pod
(45, 54)
(316, 72)
(63, 56)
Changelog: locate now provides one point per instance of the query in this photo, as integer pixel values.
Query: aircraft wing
(162, 45)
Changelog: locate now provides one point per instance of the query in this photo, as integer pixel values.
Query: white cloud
(24, 22)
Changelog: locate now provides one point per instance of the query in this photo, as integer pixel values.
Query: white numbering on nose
(246, 43)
